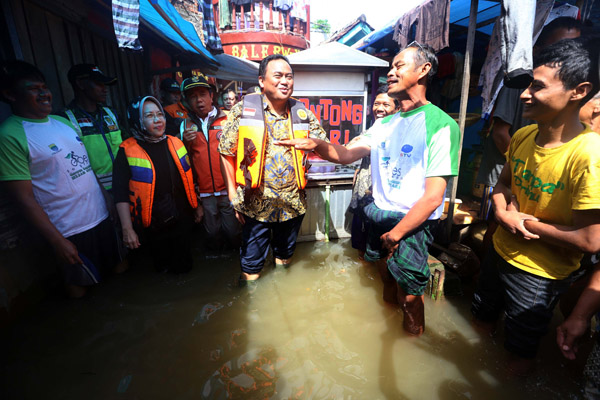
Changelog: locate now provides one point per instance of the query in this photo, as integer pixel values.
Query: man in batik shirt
(266, 182)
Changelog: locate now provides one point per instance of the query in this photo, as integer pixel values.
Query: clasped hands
(513, 220)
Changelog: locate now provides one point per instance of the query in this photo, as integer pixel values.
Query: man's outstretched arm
(328, 151)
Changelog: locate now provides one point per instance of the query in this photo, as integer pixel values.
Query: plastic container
(457, 202)
(318, 166)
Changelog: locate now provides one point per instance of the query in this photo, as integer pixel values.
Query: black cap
(89, 71)
(195, 81)
(169, 85)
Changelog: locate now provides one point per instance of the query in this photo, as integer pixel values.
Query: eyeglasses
(417, 43)
(154, 116)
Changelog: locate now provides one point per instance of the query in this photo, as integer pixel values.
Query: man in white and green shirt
(46, 168)
(413, 153)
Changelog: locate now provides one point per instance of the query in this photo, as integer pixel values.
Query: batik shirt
(278, 198)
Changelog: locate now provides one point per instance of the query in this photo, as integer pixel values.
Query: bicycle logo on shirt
(77, 161)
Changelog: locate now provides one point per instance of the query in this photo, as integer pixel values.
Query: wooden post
(435, 285)
(280, 20)
(252, 22)
(261, 22)
(234, 25)
(287, 23)
(242, 17)
(464, 98)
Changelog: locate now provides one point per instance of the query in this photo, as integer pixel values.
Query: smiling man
(413, 152)
(265, 181)
(46, 168)
(547, 201)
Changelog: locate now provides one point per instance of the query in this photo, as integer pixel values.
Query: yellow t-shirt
(549, 183)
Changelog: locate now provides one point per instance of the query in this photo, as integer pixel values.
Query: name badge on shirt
(110, 123)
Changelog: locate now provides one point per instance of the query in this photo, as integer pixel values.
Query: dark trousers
(528, 301)
(170, 248)
(256, 237)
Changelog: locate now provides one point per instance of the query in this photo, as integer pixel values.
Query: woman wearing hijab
(154, 188)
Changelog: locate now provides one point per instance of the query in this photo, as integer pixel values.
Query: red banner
(257, 52)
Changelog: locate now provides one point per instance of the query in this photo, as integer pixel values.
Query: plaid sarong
(408, 265)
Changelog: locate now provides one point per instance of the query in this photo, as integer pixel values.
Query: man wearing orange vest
(265, 181)
(201, 130)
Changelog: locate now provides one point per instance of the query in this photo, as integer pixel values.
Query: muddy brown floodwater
(318, 330)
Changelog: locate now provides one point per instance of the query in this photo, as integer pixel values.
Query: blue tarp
(158, 24)
(486, 10)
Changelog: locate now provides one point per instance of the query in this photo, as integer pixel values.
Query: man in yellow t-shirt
(547, 201)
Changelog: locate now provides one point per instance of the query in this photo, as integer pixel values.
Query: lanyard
(100, 126)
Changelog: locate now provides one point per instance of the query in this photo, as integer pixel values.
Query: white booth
(332, 80)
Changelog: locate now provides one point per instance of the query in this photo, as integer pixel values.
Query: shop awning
(163, 19)
(235, 69)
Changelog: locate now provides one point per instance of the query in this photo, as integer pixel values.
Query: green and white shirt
(407, 148)
(49, 153)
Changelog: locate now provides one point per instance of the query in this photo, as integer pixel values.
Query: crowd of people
(96, 193)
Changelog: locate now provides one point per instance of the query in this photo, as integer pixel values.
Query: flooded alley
(318, 330)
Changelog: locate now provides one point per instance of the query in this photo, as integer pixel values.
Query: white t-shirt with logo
(49, 153)
(407, 148)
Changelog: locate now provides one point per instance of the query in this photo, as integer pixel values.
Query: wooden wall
(54, 43)
(54, 35)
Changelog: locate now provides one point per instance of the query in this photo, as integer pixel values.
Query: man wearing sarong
(413, 153)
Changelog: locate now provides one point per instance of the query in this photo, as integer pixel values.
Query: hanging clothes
(298, 10)
(211, 36)
(126, 21)
(283, 5)
(491, 77)
(428, 23)
(224, 14)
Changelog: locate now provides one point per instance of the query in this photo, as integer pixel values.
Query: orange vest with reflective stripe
(252, 140)
(143, 178)
(205, 157)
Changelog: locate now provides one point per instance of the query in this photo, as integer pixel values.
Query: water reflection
(318, 330)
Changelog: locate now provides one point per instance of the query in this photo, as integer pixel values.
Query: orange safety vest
(143, 178)
(177, 110)
(205, 157)
(252, 141)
